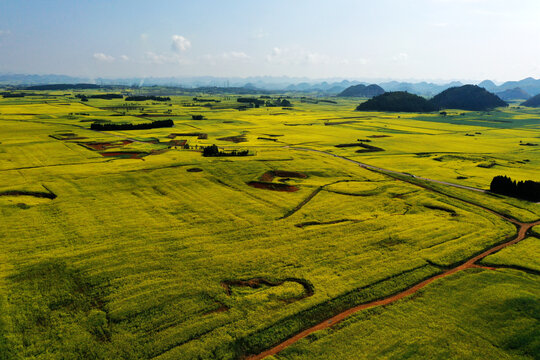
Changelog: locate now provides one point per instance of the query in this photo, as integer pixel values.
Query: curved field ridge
(38, 194)
(255, 283)
(273, 186)
(523, 229)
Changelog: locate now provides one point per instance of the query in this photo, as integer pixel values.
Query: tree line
(128, 126)
(213, 150)
(99, 96)
(526, 190)
(144, 98)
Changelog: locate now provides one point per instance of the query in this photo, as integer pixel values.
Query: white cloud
(144, 37)
(103, 57)
(235, 55)
(402, 57)
(180, 43)
(124, 57)
(259, 34)
(159, 59)
(299, 56)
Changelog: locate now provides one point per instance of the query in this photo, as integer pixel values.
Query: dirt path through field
(522, 230)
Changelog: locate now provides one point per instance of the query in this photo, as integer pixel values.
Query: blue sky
(415, 39)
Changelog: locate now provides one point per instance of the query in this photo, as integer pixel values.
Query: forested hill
(398, 101)
(467, 97)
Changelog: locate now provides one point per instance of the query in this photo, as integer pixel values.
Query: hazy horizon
(430, 40)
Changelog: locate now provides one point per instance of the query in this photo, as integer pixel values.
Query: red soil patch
(106, 145)
(270, 175)
(234, 139)
(198, 134)
(177, 142)
(273, 186)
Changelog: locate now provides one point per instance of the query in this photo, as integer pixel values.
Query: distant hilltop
(514, 94)
(329, 87)
(466, 97)
(532, 102)
(361, 90)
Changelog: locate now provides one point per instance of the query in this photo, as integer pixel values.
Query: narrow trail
(522, 231)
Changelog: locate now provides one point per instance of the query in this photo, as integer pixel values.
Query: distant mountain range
(328, 87)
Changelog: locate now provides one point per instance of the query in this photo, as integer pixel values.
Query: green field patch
(50, 291)
(354, 188)
(273, 186)
(524, 254)
(124, 154)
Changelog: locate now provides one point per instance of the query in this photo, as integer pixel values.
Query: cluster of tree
(278, 102)
(63, 87)
(213, 150)
(269, 103)
(150, 97)
(99, 96)
(398, 101)
(7, 94)
(128, 126)
(206, 100)
(251, 100)
(526, 190)
(197, 117)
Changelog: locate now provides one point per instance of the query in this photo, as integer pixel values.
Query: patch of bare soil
(100, 146)
(235, 139)
(198, 134)
(270, 175)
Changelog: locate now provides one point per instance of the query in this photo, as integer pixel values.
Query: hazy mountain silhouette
(362, 91)
(514, 94)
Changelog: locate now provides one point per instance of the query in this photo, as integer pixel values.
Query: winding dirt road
(522, 230)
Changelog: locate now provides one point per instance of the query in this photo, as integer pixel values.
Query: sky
(383, 39)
